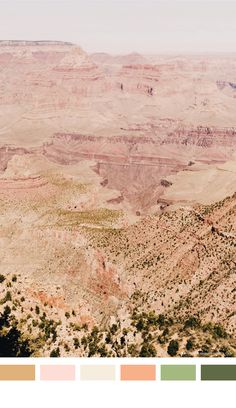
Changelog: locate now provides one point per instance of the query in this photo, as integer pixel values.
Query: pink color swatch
(57, 372)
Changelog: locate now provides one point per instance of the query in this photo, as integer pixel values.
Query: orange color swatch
(138, 373)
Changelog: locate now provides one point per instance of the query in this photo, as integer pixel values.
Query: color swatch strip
(57, 372)
(138, 372)
(107, 372)
(97, 372)
(218, 372)
(178, 372)
(17, 372)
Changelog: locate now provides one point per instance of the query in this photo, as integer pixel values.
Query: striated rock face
(45, 75)
(7, 152)
(203, 137)
(135, 165)
(140, 120)
(139, 77)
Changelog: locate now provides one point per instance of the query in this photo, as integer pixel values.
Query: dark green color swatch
(178, 372)
(218, 372)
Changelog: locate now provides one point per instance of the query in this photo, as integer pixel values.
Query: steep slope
(164, 286)
(181, 262)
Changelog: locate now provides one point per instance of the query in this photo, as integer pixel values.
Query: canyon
(117, 193)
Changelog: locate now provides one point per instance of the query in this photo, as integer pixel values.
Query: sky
(123, 26)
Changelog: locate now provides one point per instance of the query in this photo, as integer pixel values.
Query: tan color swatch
(17, 372)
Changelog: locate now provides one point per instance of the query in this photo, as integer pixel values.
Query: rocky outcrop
(139, 78)
(7, 152)
(166, 183)
(222, 84)
(203, 137)
(116, 200)
(52, 74)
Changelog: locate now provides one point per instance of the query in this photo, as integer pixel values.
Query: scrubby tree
(55, 352)
(147, 350)
(2, 278)
(189, 344)
(173, 348)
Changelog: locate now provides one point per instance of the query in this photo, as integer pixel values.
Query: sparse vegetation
(172, 313)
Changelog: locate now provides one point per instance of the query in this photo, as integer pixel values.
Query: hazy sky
(120, 26)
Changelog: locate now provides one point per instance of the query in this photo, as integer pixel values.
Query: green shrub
(76, 343)
(147, 350)
(6, 298)
(219, 331)
(189, 344)
(192, 323)
(55, 352)
(2, 278)
(173, 348)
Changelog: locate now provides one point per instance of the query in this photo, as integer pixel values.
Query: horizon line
(5, 42)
